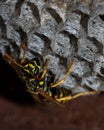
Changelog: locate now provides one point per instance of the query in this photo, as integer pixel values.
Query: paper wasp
(34, 76)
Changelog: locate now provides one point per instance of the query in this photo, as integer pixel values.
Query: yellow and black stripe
(32, 67)
(58, 93)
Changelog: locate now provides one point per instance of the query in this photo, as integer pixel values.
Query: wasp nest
(60, 30)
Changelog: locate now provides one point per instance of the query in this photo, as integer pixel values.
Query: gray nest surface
(59, 30)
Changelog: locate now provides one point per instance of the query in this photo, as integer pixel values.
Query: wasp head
(32, 67)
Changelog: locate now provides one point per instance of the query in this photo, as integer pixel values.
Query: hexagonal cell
(62, 45)
(96, 23)
(98, 66)
(57, 9)
(26, 20)
(91, 81)
(48, 25)
(86, 54)
(80, 68)
(87, 49)
(7, 9)
(72, 24)
(35, 43)
(13, 34)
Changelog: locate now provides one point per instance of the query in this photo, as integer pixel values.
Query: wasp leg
(64, 78)
(45, 95)
(42, 93)
(24, 52)
(45, 68)
(68, 98)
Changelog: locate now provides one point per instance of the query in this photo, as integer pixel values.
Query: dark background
(19, 111)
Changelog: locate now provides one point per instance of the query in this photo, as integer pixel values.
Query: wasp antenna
(12, 60)
(45, 69)
(24, 52)
(66, 75)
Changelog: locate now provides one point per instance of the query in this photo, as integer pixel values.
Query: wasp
(37, 84)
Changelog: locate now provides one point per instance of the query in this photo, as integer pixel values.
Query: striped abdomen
(57, 93)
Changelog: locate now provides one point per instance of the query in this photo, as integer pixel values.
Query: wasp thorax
(36, 83)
